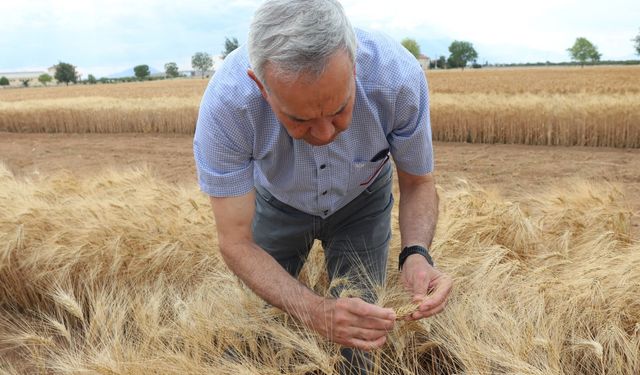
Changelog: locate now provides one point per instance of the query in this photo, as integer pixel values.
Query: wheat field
(169, 106)
(118, 273)
(591, 106)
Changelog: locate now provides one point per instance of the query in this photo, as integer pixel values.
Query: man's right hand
(352, 322)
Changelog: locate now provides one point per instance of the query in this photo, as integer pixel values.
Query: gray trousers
(355, 240)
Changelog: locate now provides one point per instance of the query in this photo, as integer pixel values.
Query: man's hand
(352, 322)
(346, 321)
(421, 279)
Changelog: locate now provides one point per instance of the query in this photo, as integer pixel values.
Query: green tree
(171, 69)
(229, 46)
(141, 71)
(4, 81)
(91, 79)
(583, 50)
(412, 46)
(66, 73)
(201, 61)
(461, 53)
(442, 62)
(45, 78)
(636, 43)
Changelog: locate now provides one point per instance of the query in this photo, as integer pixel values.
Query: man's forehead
(323, 111)
(303, 101)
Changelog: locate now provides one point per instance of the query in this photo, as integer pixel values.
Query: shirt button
(324, 192)
(323, 166)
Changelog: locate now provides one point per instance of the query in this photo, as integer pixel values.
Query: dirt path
(510, 168)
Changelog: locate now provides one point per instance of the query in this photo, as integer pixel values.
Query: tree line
(461, 53)
(67, 73)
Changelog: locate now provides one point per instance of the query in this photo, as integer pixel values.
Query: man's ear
(255, 79)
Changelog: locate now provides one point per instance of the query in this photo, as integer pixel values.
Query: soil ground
(510, 169)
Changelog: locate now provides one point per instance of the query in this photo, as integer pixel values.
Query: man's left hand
(429, 286)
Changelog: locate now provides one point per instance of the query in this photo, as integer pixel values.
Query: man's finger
(439, 296)
(419, 298)
(361, 308)
(425, 314)
(385, 325)
(368, 334)
(367, 345)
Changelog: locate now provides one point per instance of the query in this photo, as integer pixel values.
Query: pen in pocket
(380, 155)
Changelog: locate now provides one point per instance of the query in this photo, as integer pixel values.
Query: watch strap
(415, 249)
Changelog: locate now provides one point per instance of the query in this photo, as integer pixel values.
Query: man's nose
(323, 130)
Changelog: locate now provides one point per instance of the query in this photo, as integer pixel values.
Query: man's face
(315, 111)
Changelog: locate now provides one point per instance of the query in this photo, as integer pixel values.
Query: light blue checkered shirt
(240, 143)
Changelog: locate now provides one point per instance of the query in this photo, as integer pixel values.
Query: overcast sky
(103, 37)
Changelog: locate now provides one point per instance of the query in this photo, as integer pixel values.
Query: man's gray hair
(297, 37)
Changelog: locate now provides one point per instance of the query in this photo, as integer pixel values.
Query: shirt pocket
(363, 173)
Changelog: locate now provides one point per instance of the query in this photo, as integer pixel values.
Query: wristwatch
(415, 249)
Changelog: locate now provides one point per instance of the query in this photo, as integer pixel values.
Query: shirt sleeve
(223, 145)
(410, 139)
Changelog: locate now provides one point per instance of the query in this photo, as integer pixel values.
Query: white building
(16, 78)
(424, 61)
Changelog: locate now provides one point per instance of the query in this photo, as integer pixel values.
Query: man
(292, 144)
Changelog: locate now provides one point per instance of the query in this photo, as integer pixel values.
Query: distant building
(207, 73)
(16, 78)
(196, 73)
(193, 73)
(424, 61)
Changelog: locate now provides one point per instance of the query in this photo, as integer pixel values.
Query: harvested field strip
(119, 273)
